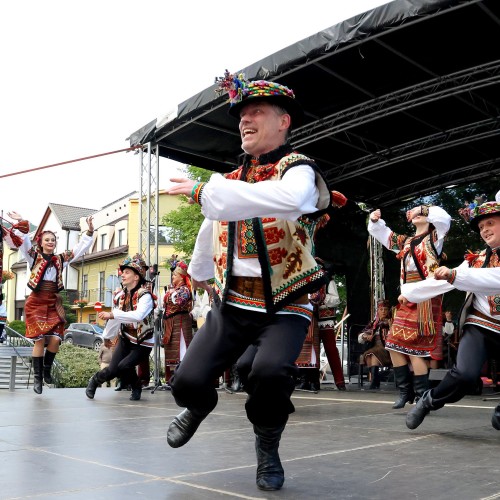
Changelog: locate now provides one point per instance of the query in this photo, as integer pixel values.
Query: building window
(85, 285)
(121, 237)
(164, 235)
(103, 241)
(101, 286)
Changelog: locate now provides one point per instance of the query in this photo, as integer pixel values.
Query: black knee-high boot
(37, 374)
(375, 382)
(48, 360)
(270, 473)
(93, 384)
(420, 385)
(403, 379)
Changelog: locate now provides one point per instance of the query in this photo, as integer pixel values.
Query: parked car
(84, 334)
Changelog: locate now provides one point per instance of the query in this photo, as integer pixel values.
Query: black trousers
(220, 342)
(126, 357)
(473, 349)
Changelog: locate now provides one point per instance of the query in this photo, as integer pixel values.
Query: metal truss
(462, 82)
(149, 204)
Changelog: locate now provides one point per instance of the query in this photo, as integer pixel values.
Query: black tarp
(400, 101)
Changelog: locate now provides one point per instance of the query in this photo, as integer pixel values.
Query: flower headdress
(466, 212)
(136, 263)
(479, 209)
(240, 90)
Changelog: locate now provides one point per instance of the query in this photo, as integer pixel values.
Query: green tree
(184, 223)
(71, 317)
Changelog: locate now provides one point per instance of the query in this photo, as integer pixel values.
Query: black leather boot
(236, 385)
(93, 384)
(375, 382)
(495, 418)
(417, 414)
(136, 394)
(403, 378)
(183, 427)
(270, 473)
(48, 360)
(420, 385)
(37, 374)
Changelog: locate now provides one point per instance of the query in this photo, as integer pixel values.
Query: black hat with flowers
(241, 92)
(137, 264)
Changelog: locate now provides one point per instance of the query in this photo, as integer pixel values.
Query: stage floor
(341, 445)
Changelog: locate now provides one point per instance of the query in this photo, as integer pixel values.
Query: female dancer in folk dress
(44, 312)
(416, 331)
(177, 322)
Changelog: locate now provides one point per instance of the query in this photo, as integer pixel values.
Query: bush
(19, 326)
(75, 365)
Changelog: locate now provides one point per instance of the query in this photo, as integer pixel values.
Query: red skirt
(174, 329)
(44, 312)
(417, 329)
(311, 345)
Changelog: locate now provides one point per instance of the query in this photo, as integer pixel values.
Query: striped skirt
(417, 329)
(177, 335)
(309, 355)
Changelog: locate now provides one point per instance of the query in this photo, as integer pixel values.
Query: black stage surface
(341, 445)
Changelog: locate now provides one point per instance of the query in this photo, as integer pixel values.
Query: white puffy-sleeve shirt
(437, 216)
(232, 200)
(51, 273)
(482, 282)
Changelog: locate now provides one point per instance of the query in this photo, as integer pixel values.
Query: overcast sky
(79, 77)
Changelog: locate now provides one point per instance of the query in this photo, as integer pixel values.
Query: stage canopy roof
(400, 101)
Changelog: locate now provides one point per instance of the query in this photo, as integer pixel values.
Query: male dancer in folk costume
(416, 331)
(260, 244)
(479, 276)
(45, 317)
(132, 319)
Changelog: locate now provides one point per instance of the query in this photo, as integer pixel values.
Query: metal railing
(16, 340)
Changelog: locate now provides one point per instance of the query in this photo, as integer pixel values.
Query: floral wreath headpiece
(479, 209)
(240, 90)
(136, 263)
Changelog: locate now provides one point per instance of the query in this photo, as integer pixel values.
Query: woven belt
(479, 314)
(247, 286)
(254, 288)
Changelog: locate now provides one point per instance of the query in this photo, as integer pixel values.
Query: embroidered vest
(40, 265)
(422, 250)
(145, 327)
(284, 248)
(487, 258)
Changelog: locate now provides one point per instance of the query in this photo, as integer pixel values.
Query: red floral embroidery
(301, 235)
(273, 235)
(277, 255)
(223, 238)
